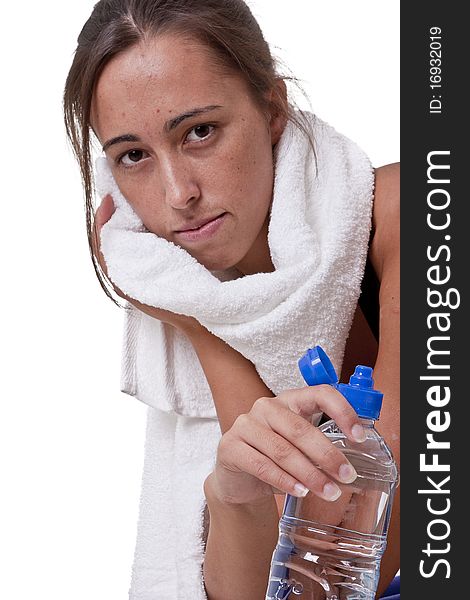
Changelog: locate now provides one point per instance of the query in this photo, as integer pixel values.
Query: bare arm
(233, 379)
(241, 537)
(385, 256)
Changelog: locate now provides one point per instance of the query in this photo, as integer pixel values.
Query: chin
(217, 263)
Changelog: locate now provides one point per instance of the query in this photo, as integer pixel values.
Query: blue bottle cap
(360, 393)
(317, 368)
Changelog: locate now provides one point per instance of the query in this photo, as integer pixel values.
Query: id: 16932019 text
(435, 70)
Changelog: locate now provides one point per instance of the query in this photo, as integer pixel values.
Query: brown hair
(227, 27)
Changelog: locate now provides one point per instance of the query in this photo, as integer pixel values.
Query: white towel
(318, 237)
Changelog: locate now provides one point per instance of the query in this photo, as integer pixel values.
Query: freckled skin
(186, 175)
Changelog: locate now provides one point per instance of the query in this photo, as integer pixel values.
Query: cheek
(255, 177)
(144, 199)
(246, 170)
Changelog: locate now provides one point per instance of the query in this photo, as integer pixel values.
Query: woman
(185, 101)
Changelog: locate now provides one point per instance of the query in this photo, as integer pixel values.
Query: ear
(279, 108)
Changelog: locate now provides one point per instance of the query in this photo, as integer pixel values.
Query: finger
(309, 442)
(287, 456)
(246, 459)
(308, 400)
(104, 212)
(102, 215)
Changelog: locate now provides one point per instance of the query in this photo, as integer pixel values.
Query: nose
(180, 186)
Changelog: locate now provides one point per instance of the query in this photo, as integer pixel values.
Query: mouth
(197, 224)
(200, 230)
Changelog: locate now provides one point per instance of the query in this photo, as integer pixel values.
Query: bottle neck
(367, 423)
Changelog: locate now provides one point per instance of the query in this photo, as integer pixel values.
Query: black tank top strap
(369, 298)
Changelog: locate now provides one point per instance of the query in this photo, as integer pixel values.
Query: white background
(71, 445)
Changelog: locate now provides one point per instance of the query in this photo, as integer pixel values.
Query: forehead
(164, 75)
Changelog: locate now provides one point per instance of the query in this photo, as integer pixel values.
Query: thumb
(102, 215)
(104, 212)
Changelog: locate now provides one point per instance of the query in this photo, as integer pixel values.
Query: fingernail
(300, 490)
(358, 433)
(331, 492)
(347, 473)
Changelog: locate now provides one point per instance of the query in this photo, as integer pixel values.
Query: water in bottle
(332, 550)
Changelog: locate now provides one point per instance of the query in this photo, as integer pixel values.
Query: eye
(201, 133)
(132, 157)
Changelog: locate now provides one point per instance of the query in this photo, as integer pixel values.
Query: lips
(195, 225)
(200, 231)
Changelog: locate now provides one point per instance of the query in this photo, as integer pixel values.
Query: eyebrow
(128, 137)
(169, 125)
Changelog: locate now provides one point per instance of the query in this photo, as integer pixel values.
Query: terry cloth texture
(318, 237)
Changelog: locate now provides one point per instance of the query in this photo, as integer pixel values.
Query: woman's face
(190, 150)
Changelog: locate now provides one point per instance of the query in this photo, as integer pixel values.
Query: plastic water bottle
(332, 550)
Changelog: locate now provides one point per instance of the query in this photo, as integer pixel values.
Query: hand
(102, 216)
(275, 448)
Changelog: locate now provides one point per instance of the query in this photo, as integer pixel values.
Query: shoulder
(387, 191)
(385, 245)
